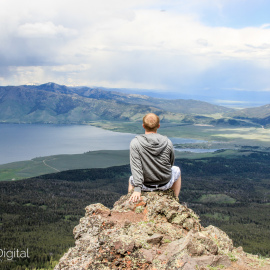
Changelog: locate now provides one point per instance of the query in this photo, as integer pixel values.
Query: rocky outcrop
(154, 233)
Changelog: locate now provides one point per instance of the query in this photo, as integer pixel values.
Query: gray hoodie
(151, 159)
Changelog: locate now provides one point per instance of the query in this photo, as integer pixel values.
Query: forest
(39, 214)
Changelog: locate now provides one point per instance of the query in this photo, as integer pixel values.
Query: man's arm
(136, 170)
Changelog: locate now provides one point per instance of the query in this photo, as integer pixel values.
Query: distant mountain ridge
(177, 105)
(260, 115)
(54, 103)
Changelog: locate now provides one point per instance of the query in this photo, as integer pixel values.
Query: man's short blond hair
(151, 122)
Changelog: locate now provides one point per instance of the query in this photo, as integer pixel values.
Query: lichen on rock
(156, 232)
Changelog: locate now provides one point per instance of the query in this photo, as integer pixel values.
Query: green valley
(40, 213)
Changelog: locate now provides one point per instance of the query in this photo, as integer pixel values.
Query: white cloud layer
(47, 30)
(142, 44)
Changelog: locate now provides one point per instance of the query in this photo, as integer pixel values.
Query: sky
(212, 50)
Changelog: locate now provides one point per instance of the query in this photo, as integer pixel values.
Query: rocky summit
(156, 232)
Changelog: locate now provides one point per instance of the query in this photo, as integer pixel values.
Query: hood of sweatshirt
(153, 143)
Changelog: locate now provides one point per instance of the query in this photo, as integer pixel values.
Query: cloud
(235, 89)
(71, 68)
(247, 90)
(132, 44)
(264, 26)
(24, 75)
(47, 29)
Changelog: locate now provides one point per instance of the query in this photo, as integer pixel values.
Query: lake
(25, 141)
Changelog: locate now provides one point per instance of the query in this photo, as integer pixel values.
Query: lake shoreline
(21, 142)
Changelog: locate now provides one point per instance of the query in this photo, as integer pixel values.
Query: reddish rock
(155, 233)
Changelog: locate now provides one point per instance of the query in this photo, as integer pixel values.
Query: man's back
(151, 159)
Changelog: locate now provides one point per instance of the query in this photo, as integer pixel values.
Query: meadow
(252, 136)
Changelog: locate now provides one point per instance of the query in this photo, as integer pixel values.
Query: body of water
(196, 150)
(25, 141)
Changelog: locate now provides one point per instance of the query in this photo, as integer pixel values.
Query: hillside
(45, 104)
(59, 104)
(185, 106)
(260, 115)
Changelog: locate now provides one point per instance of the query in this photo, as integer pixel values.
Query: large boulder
(156, 232)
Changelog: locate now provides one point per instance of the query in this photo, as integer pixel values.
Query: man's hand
(135, 196)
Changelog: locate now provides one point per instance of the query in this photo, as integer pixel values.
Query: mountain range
(53, 103)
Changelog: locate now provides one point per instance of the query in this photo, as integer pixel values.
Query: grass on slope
(52, 164)
(96, 159)
(216, 198)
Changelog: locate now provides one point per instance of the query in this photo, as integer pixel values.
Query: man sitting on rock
(151, 161)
